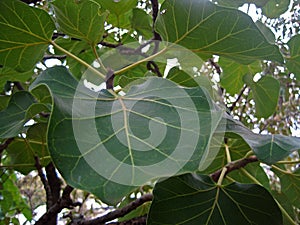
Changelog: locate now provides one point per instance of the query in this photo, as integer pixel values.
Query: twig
(152, 66)
(110, 45)
(109, 81)
(118, 212)
(60, 57)
(233, 166)
(142, 220)
(216, 66)
(154, 16)
(63, 202)
(19, 86)
(5, 144)
(238, 98)
(44, 181)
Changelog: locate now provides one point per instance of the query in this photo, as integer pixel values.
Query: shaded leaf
(195, 199)
(274, 8)
(118, 7)
(268, 148)
(21, 152)
(290, 185)
(208, 29)
(270, 36)
(13, 118)
(9, 74)
(80, 19)
(239, 3)
(265, 94)
(141, 22)
(293, 61)
(233, 73)
(25, 34)
(137, 132)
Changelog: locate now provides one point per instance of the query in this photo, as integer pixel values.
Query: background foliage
(244, 90)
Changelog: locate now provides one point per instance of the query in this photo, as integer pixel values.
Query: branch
(154, 16)
(234, 166)
(63, 202)
(118, 212)
(44, 181)
(142, 220)
(238, 98)
(216, 66)
(19, 86)
(60, 57)
(5, 144)
(152, 66)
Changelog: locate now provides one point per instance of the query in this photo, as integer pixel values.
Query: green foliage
(197, 200)
(180, 129)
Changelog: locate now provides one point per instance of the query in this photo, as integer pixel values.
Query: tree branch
(152, 66)
(234, 166)
(44, 181)
(118, 212)
(55, 187)
(238, 98)
(154, 16)
(63, 202)
(5, 144)
(142, 220)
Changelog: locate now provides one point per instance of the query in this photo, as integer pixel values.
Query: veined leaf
(9, 74)
(293, 61)
(268, 148)
(25, 34)
(265, 94)
(97, 140)
(195, 199)
(274, 8)
(21, 152)
(233, 73)
(207, 29)
(290, 185)
(80, 19)
(118, 7)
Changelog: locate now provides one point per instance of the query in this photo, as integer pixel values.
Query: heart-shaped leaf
(80, 19)
(265, 94)
(290, 185)
(21, 108)
(268, 148)
(200, 26)
(21, 152)
(293, 61)
(118, 7)
(25, 34)
(97, 140)
(233, 73)
(195, 199)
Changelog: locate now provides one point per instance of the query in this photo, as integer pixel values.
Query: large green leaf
(25, 34)
(265, 94)
(293, 61)
(9, 74)
(80, 19)
(118, 7)
(233, 73)
(208, 29)
(195, 199)
(290, 185)
(239, 3)
(268, 148)
(274, 8)
(20, 109)
(141, 22)
(21, 152)
(100, 140)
